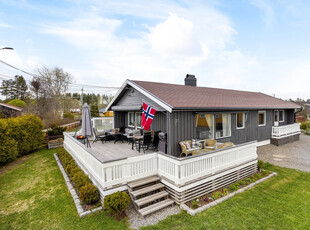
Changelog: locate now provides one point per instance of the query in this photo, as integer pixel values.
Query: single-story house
(10, 110)
(184, 112)
(188, 112)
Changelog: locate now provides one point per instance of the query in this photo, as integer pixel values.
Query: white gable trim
(144, 92)
(11, 107)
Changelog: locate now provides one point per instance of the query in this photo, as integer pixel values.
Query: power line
(71, 84)
(33, 75)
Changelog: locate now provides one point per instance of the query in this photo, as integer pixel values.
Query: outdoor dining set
(139, 139)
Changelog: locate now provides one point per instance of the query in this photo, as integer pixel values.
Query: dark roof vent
(190, 80)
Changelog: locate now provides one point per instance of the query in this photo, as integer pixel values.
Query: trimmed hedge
(117, 202)
(88, 193)
(19, 136)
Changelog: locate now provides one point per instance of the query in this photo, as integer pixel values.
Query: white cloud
(175, 37)
(267, 11)
(4, 25)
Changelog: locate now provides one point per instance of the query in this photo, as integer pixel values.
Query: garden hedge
(88, 193)
(19, 136)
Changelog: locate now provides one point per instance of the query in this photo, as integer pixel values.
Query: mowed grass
(33, 195)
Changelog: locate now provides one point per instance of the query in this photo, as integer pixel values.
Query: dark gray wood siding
(120, 119)
(182, 127)
(133, 98)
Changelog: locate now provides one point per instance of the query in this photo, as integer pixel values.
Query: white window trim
(264, 112)
(282, 116)
(243, 121)
(214, 129)
(136, 121)
(132, 126)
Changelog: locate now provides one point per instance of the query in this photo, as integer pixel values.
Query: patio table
(118, 136)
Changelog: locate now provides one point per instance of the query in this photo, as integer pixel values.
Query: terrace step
(143, 181)
(148, 189)
(151, 198)
(155, 207)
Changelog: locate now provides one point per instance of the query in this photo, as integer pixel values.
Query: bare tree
(49, 87)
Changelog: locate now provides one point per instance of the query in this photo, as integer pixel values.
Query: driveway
(292, 155)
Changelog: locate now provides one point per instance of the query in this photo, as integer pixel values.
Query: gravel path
(137, 221)
(291, 155)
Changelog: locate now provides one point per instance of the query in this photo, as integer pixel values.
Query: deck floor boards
(112, 152)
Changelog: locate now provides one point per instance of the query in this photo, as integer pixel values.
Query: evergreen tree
(94, 111)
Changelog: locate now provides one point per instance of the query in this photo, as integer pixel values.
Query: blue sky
(252, 45)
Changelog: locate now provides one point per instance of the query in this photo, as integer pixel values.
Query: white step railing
(285, 130)
(179, 171)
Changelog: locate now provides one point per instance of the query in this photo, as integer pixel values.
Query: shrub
(17, 102)
(68, 115)
(89, 193)
(234, 187)
(216, 195)
(80, 179)
(195, 204)
(116, 203)
(20, 135)
(265, 172)
(225, 191)
(257, 176)
(55, 130)
(304, 125)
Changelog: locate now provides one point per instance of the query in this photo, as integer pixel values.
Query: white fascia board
(150, 96)
(116, 95)
(141, 90)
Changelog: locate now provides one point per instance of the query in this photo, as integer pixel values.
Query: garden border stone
(193, 212)
(72, 191)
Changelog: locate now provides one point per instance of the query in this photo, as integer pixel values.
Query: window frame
(134, 118)
(265, 120)
(283, 118)
(214, 125)
(243, 121)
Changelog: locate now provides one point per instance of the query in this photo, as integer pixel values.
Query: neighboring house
(184, 112)
(188, 112)
(75, 109)
(104, 113)
(10, 110)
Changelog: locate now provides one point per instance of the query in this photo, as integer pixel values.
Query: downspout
(297, 111)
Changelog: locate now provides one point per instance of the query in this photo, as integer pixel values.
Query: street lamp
(6, 48)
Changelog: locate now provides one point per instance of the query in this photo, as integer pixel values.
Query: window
(138, 119)
(131, 119)
(134, 119)
(261, 118)
(281, 115)
(222, 125)
(240, 117)
(204, 126)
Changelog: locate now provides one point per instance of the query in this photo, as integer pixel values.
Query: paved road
(292, 155)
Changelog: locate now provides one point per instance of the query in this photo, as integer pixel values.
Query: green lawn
(33, 195)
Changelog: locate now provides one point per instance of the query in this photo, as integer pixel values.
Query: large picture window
(261, 118)
(240, 120)
(222, 125)
(204, 126)
(134, 119)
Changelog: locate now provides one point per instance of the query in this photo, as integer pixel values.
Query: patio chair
(146, 143)
(99, 136)
(209, 144)
(187, 149)
(155, 140)
(225, 145)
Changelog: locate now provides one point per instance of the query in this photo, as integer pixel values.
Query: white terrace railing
(189, 169)
(285, 130)
(179, 171)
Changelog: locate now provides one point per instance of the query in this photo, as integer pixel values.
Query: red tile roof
(191, 97)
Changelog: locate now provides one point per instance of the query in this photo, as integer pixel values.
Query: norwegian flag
(147, 116)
